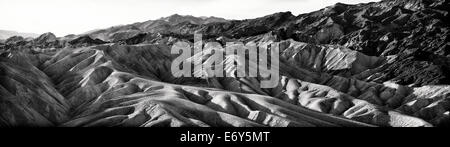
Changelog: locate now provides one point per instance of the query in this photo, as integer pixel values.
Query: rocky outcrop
(171, 24)
(402, 28)
(85, 41)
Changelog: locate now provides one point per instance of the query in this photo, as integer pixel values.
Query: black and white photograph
(224, 64)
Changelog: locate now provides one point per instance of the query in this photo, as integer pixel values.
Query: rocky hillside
(162, 25)
(376, 64)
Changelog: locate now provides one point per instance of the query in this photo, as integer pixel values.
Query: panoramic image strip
(224, 63)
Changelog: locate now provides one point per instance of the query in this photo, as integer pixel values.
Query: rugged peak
(70, 36)
(46, 37)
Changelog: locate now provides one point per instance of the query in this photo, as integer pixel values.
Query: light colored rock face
(120, 85)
